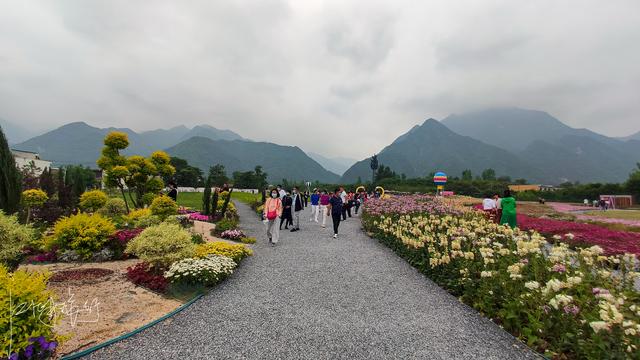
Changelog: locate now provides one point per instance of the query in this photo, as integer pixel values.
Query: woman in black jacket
(287, 216)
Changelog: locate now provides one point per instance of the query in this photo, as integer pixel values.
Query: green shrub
(113, 207)
(224, 225)
(197, 239)
(161, 245)
(83, 233)
(27, 291)
(248, 240)
(141, 218)
(147, 199)
(13, 238)
(163, 206)
(93, 200)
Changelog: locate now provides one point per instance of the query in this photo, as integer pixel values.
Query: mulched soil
(80, 274)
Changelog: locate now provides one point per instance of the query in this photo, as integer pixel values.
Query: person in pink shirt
(324, 202)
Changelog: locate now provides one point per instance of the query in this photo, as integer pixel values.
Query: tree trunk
(126, 203)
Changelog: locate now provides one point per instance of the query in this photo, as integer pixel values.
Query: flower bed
(235, 235)
(613, 242)
(564, 303)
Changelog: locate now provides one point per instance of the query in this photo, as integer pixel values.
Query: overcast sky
(340, 78)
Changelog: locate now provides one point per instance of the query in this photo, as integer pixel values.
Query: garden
(558, 291)
(79, 265)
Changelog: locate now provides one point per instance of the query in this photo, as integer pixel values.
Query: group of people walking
(501, 210)
(285, 208)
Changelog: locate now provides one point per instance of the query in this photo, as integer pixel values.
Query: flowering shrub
(118, 241)
(224, 225)
(17, 289)
(142, 275)
(580, 304)
(613, 242)
(198, 217)
(43, 257)
(208, 271)
(234, 235)
(237, 252)
(93, 200)
(413, 204)
(82, 233)
(38, 348)
(161, 245)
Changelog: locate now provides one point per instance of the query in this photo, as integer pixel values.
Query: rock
(69, 256)
(102, 255)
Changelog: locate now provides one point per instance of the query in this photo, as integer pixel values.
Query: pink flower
(559, 268)
(571, 309)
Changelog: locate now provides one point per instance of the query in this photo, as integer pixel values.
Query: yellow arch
(381, 191)
(360, 187)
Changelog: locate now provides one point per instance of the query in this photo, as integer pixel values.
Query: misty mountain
(80, 143)
(211, 133)
(278, 161)
(560, 151)
(635, 136)
(15, 133)
(432, 147)
(337, 165)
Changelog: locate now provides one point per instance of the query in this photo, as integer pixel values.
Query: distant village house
(28, 158)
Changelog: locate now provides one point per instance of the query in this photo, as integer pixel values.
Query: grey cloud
(275, 69)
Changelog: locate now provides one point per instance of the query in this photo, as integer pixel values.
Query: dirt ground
(98, 310)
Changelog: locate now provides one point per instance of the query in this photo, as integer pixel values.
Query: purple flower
(571, 309)
(13, 356)
(28, 351)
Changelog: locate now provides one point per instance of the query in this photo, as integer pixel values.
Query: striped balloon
(440, 178)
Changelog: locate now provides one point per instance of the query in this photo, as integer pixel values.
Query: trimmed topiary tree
(10, 182)
(33, 198)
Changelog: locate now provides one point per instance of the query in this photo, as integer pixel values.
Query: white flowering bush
(563, 302)
(207, 271)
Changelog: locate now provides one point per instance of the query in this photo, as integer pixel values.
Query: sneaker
(293, 230)
(324, 226)
(335, 236)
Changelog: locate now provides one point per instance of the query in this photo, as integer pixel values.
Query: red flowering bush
(613, 242)
(141, 275)
(118, 241)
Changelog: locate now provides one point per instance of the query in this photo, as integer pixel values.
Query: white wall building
(24, 158)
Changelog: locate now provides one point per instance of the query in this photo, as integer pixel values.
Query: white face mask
(274, 194)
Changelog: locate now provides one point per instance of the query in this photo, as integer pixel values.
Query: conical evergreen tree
(10, 184)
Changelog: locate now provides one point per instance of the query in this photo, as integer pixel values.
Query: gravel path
(314, 297)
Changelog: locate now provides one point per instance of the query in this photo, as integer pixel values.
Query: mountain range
(514, 142)
(202, 146)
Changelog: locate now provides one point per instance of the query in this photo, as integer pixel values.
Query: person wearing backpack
(272, 213)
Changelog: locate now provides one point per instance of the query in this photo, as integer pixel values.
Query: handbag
(272, 214)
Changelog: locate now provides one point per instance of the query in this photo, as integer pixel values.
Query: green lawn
(617, 214)
(194, 200)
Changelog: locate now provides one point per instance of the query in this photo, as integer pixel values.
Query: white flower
(532, 285)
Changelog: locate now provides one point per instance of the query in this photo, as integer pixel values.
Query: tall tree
(489, 175)
(218, 175)
(206, 197)
(374, 167)
(47, 183)
(139, 174)
(467, 175)
(10, 182)
(633, 184)
(185, 175)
